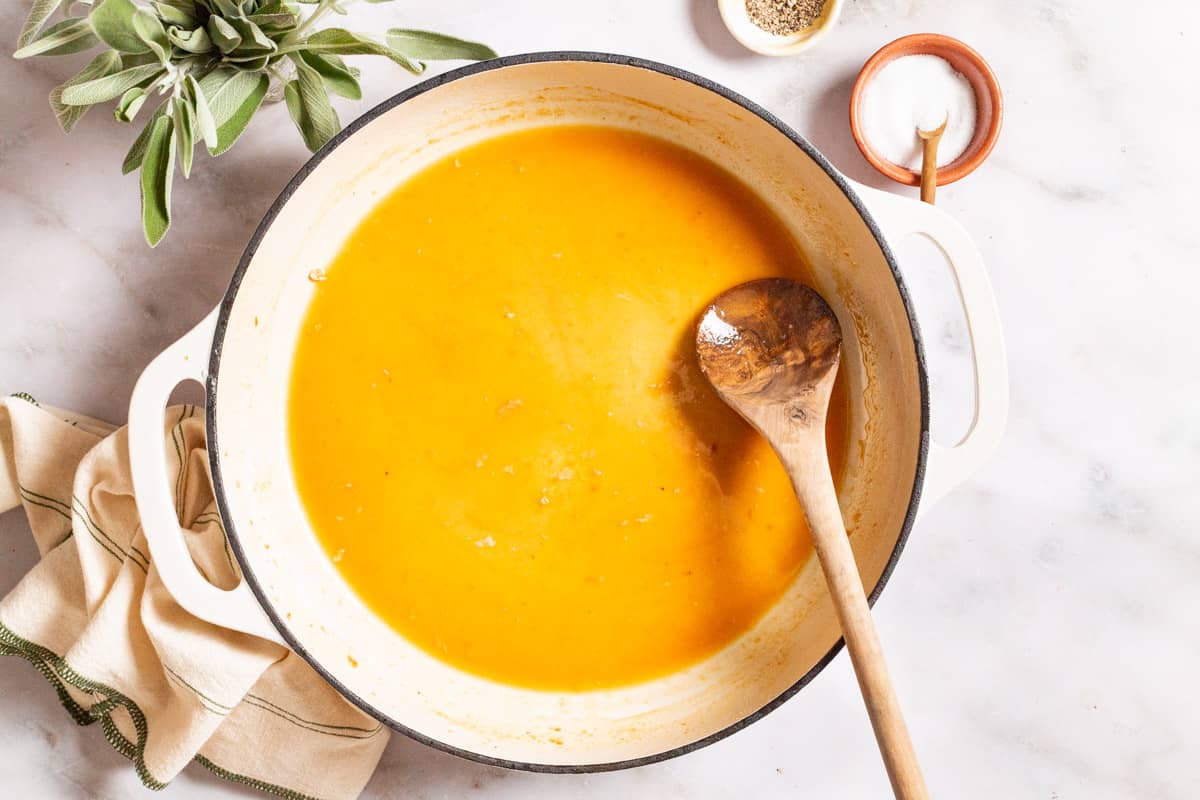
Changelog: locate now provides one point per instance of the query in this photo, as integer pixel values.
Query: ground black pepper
(784, 17)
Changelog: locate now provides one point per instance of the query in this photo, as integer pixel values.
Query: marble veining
(1041, 624)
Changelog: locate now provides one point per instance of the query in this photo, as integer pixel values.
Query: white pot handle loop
(951, 465)
(236, 608)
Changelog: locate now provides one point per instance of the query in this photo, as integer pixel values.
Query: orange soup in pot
(498, 428)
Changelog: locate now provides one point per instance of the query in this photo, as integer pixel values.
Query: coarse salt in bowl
(934, 77)
(918, 92)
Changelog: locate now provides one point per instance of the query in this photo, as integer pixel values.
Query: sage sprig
(205, 66)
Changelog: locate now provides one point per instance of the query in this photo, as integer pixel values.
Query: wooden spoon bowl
(767, 339)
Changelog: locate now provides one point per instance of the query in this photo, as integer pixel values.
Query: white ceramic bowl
(752, 37)
(243, 351)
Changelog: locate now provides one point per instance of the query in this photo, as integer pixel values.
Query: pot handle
(951, 465)
(235, 608)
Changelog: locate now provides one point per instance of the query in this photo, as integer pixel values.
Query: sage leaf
(185, 134)
(205, 122)
(291, 98)
(308, 103)
(276, 7)
(436, 46)
(109, 86)
(343, 42)
(39, 12)
(138, 59)
(253, 39)
(113, 22)
(129, 104)
(192, 41)
(60, 39)
(106, 63)
(158, 169)
(226, 8)
(257, 64)
(224, 36)
(275, 21)
(233, 96)
(151, 31)
(340, 78)
(175, 15)
(133, 159)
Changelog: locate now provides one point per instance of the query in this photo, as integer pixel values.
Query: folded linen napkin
(95, 619)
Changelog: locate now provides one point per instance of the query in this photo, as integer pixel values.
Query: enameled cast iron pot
(242, 353)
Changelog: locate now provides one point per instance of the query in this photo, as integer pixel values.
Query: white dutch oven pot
(242, 353)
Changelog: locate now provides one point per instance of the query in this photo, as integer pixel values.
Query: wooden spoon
(929, 147)
(771, 349)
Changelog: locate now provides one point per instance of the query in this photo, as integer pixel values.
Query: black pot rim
(252, 247)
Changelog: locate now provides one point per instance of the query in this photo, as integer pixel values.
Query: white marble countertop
(1041, 624)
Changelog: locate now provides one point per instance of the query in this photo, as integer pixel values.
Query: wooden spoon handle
(929, 149)
(815, 488)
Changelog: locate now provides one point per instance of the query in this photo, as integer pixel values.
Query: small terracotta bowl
(988, 101)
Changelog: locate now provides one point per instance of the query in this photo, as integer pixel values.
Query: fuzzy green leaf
(436, 46)
(206, 124)
(291, 98)
(39, 12)
(253, 40)
(274, 21)
(175, 15)
(223, 34)
(185, 134)
(106, 63)
(233, 96)
(113, 22)
(130, 103)
(158, 170)
(308, 103)
(138, 59)
(255, 63)
(276, 7)
(192, 41)
(61, 39)
(137, 151)
(150, 30)
(342, 42)
(340, 78)
(109, 86)
(226, 8)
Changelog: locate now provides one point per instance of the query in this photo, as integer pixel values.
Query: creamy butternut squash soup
(498, 427)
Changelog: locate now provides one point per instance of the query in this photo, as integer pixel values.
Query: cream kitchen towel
(95, 619)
